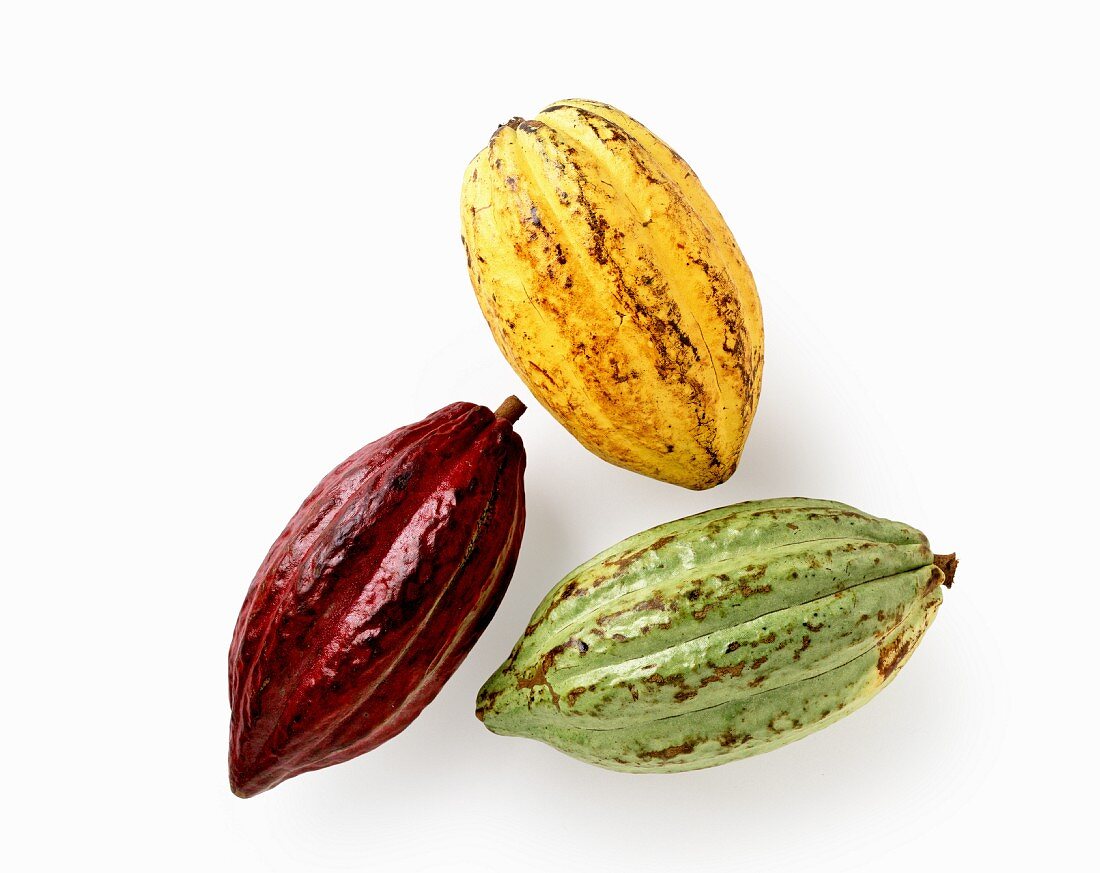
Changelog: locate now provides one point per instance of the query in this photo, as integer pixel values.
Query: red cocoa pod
(374, 593)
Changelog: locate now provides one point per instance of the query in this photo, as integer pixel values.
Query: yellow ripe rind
(616, 291)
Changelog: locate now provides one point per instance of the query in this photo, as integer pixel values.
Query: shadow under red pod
(374, 593)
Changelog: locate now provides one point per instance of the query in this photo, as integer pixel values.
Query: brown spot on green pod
(728, 739)
(891, 655)
(720, 672)
(700, 614)
(684, 748)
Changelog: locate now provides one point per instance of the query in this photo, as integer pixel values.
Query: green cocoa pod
(719, 636)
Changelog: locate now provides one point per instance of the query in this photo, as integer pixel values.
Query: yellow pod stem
(616, 291)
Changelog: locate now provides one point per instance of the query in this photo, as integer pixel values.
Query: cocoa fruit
(374, 593)
(722, 635)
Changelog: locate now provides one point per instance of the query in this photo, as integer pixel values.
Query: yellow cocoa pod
(616, 291)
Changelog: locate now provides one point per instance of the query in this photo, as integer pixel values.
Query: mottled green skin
(717, 636)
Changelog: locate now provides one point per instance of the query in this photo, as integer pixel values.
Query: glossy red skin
(373, 594)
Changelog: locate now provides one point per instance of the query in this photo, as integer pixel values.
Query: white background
(229, 256)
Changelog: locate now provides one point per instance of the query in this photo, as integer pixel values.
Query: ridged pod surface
(616, 291)
(719, 636)
(374, 593)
